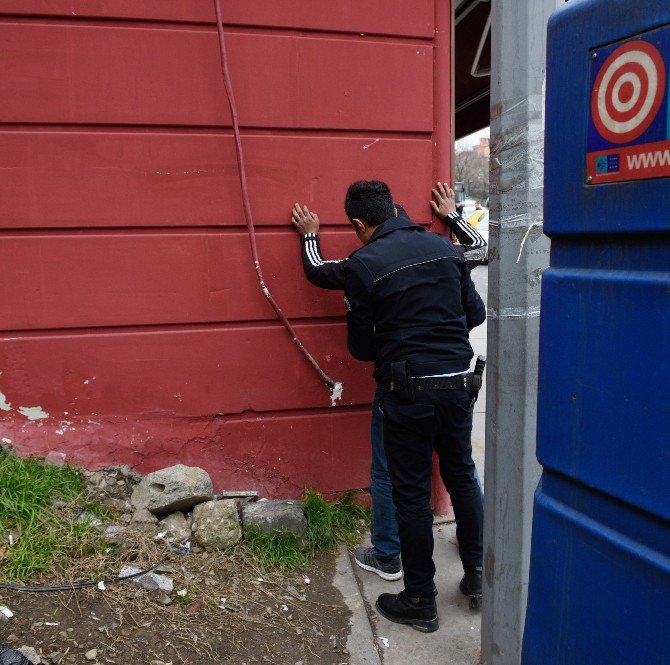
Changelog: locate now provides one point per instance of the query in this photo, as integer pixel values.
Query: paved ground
(373, 639)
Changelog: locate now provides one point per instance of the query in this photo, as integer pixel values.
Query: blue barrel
(600, 561)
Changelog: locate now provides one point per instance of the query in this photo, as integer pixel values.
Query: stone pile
(179, 504)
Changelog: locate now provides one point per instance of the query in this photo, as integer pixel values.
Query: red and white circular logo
(628, 91)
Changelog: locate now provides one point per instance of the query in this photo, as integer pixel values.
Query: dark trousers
(439, 420)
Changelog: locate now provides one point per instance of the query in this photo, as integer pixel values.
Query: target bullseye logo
(628, 91)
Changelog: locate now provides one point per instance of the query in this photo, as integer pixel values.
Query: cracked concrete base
(362, 642)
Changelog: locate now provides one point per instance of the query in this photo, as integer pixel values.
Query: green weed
(284, 550)
(333, 522)
(29, 487)
(328, 524)
(186, 599)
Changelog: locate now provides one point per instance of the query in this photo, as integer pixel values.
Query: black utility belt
(468, 382)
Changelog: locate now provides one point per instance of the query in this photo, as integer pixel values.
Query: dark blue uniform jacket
(409, 296)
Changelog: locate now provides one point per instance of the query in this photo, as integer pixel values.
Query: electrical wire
(247, 204)
(78, 585)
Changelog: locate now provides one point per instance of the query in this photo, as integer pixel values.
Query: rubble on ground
(176, 526)
(177, 505)
(176, 488)
(149, 581)
(216, 524)
(275, 516)
(194, 595)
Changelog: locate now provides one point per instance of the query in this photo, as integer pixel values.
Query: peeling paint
(4, 404)
(336, 393)
(64, 425)
(33, 412)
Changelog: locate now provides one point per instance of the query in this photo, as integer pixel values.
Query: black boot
(471, 586)
(420, 613)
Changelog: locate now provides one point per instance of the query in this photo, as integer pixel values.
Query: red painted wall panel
(132, 328)
(179, 373)
(162, 178)
(122, 279)
(412, 18)
(70, 73)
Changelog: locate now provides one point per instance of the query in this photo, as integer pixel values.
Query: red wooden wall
(132, 327)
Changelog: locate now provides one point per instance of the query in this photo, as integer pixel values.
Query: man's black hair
(369, 200)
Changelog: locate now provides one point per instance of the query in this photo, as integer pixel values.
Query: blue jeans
(384, 526)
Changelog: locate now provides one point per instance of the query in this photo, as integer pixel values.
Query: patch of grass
(333, 522)
(328, 524)
(186, 600)
(100, 511)
(284, 550)
(29, 486)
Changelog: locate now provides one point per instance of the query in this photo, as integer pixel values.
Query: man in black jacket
(330, 274)
(383, 557)
(410, 305)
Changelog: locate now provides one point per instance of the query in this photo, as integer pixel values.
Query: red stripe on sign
(637, 162)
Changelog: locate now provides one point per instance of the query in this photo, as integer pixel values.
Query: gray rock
(30, 654)
(143, 516)
(92, 654)
(55, 458)
(150, 581)
(162, 598)
(177, 488)
(119, 504)
(216, 524)
(122, 505)
(89, 519)
(177, 527)
(237, 494)
(95, 477)
(275, 517)
(115, 535)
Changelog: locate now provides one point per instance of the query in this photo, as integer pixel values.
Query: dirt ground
(281, 619)
(224, 607)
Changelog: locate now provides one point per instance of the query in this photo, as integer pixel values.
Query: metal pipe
(467, 10)
(474, 70)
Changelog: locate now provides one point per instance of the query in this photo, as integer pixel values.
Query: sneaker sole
(389, 577)
(475, 598)
(422, 625)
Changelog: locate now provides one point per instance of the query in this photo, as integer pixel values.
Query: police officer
(383, 558)
(410, 305)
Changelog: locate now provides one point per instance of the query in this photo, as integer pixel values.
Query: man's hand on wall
(304, 220)
(445, 200)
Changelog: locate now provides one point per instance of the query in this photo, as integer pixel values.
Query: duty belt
(398, 379)
(467, 382)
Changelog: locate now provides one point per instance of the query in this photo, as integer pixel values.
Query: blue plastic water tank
(600, 561)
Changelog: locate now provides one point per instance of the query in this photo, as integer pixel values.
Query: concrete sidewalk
(376, 641)
(373, 639)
